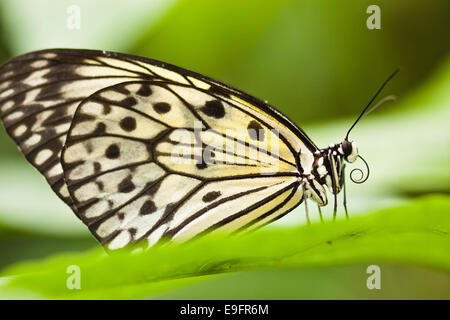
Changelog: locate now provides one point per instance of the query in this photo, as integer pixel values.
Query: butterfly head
(349, 150)
(334, 158)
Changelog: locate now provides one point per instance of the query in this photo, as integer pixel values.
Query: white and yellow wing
(145, 150)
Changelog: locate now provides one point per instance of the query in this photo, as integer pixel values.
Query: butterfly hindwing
(119, 166)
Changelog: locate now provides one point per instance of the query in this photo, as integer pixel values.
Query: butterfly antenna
(364, 113)
(380, 103)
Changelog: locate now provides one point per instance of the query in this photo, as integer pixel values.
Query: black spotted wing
(105, 128)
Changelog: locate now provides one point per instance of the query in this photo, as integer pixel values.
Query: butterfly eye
(347, 148)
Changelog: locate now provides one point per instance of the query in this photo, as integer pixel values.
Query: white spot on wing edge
(49, 55)
(20, 130)
(6, 93)
(123, 64)
(4, 85)
(14, 116)
(96, 209)
(64, 191)
(7, 74)
(199, 84)
(108, 226)
(43, 156)
(34, 139)
(171, 75)
(55, 170)
(92, 71)
(39, 63)
(122, 239)
(7, 105)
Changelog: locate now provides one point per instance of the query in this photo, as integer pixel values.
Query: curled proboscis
(363, 178)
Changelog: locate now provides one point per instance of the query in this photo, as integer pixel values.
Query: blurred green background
(314, 60)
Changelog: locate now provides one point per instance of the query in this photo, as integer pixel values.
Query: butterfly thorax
(328, 170)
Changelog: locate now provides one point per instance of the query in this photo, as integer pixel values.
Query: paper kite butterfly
(144, 150)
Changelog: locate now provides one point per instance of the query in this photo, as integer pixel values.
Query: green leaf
(414, 234)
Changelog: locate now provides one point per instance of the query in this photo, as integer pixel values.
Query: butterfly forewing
(145, 150)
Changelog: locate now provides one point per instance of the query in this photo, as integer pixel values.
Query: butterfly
(142, 150)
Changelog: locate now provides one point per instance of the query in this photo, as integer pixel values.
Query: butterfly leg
(345, 200)
(306, 204)
(335, 207)
(320, 213)
(306, 212)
